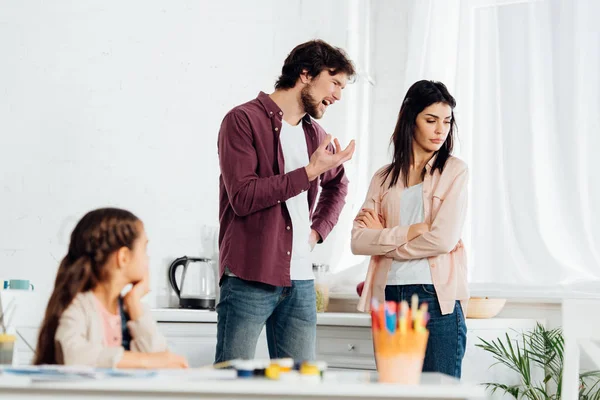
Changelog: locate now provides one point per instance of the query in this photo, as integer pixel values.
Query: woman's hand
(417, 230)
(458, 245)
(370, 219)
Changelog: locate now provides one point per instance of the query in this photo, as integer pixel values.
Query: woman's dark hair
(97, 235)
(313, 56)
(421, 95)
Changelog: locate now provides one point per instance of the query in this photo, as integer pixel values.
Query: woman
(411, 223)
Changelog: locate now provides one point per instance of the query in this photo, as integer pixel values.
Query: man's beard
(311, 106)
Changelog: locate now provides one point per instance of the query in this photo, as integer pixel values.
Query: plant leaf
(513, 390)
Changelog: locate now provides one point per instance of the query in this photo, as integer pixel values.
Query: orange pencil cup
(400, 356)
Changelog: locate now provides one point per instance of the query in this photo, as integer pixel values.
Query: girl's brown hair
(97, 235)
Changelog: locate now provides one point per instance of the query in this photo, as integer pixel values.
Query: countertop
(327, 319)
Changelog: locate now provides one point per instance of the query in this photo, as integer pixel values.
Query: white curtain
(526, 75)
(350, 120)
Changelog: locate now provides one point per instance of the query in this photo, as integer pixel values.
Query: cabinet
(351, 347)
(198, 341)
(479, 365)
(345, 347)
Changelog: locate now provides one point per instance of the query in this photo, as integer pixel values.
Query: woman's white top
(411, 272)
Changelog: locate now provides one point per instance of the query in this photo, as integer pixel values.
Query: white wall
(119, 103)
(390, 42)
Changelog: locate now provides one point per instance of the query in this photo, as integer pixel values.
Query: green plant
(543, 348)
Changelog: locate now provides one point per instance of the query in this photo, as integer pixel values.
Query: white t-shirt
(411, 272)
(295, 155)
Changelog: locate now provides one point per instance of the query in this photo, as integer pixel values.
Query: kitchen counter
(184, 315)
(325, 319)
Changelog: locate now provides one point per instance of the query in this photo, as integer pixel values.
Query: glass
(7, 345)
(321, 272)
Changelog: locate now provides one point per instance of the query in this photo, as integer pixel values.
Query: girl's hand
(167, 359)
(132, 298)
(370, 219)
(139, 289)
(163, 360)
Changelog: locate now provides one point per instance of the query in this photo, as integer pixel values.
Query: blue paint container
(244, 368)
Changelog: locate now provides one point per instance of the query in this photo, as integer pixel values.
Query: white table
(337, 385)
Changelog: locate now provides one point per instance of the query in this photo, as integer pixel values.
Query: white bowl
(483, 307)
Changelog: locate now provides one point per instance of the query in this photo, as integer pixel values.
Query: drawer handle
(351, 347)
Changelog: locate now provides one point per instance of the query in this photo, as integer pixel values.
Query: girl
(411, 223)
(87, 322)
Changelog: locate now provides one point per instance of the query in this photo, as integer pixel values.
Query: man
(273, 156)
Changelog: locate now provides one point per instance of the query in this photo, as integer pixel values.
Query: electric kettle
(198, 283)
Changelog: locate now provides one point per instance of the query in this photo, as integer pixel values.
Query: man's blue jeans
(289, 313)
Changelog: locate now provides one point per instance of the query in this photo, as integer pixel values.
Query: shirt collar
(272, 109)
